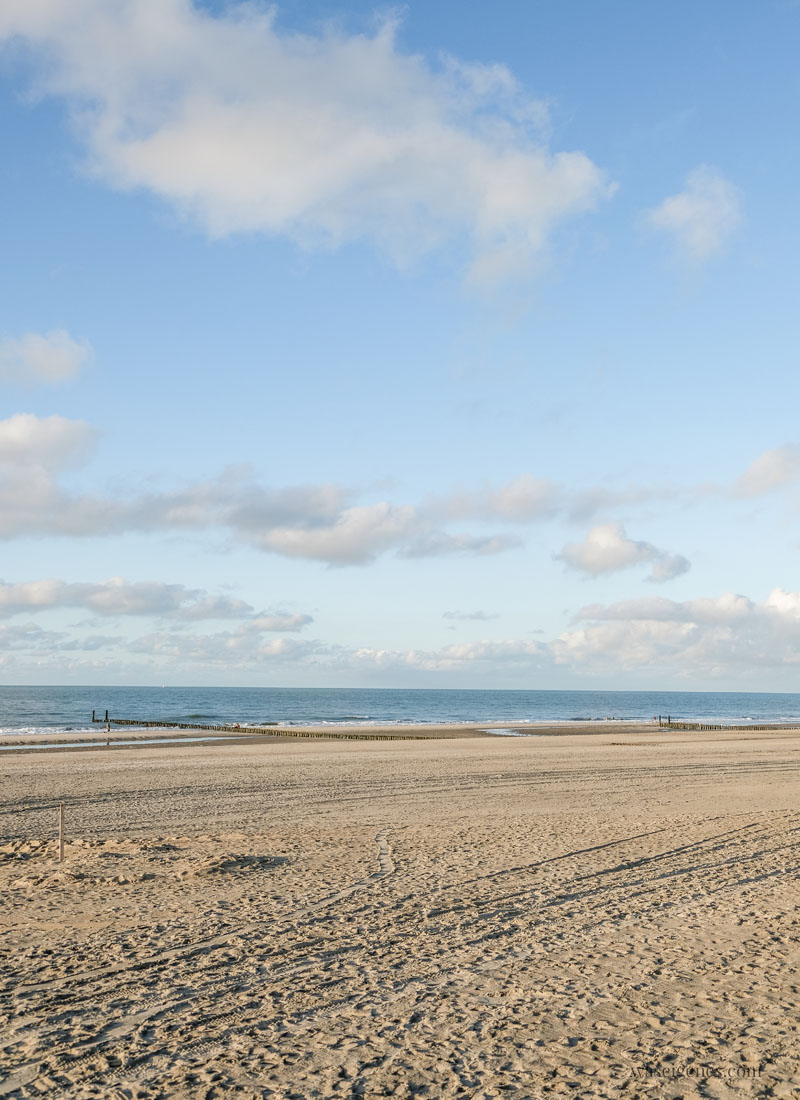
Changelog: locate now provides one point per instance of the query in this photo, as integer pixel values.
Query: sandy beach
(469, 916)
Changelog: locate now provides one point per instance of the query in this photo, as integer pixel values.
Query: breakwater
(269, 731)
(668, 724)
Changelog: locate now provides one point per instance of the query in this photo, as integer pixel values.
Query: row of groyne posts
(667, 723)
(271, 730)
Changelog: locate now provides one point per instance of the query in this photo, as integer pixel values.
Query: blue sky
(433, 346)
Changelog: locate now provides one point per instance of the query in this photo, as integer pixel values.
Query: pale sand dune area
(502, 918)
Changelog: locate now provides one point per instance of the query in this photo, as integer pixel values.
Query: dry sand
(606, 916)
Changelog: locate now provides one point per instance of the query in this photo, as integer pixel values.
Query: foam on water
(510, 733)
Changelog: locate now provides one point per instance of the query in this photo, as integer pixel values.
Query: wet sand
(560, 915)
(145, 735)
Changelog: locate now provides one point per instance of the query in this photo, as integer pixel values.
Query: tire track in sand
(117, 1031)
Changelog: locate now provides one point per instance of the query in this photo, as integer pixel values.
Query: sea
(46, 710)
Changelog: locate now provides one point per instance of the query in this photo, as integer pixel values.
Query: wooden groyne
(270, 731)
(667, 723)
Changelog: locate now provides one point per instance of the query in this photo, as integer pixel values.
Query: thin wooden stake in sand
(61, 832)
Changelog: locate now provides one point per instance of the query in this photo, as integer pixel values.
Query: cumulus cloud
(244, 646)
(324, 522)
(50, 443)
(316, 522)
(656, 608)
(605, 549)
(718, 609)
(725, 635)
(608, 549)
(320, 522)
(702, 218)
(49, 357)
(233, 500)
(356, 536)
(668, 566)
(327, 137)
(117, 596)
(35, 451)
(479, 655)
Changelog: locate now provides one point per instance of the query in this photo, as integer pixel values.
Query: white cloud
(51, 443)
(322, 522)
(453, 658)
(34, 451)
(627, 646)
(728, 635)
(244, 646)
(702, 218)
(774, 469)
(318, 522)
(668, 566)
(783, 603)
(607, 549)
(192, 605)
(233, 500)
(719, 609)
(357, 536)
(280, 621)
(655, 608)
(728, 608)
(328, 137)
(728, 638)
(305, 521)
(117, 596)
(43, 357)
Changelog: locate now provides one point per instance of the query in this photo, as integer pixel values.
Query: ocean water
(46, 710)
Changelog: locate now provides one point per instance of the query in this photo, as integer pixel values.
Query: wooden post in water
(61, 832)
